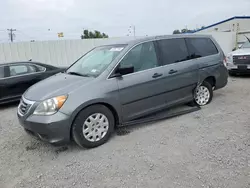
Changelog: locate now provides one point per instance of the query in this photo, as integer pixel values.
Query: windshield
(96, 61)
(246, 45)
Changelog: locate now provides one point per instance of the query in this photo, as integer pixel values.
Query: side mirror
(239, 46)
(123, 71)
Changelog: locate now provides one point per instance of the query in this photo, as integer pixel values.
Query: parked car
(16, 77)
(115, 84)
(238, 61)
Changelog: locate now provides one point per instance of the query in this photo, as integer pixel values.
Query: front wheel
(203, 94)
(93, 126)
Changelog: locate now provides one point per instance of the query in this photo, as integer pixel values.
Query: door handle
(156, 75)
(172, 71)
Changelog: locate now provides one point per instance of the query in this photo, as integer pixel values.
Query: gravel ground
(209, 148)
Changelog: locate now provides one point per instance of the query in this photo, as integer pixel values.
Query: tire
(93, 126)
(29, 132)
(205, 92)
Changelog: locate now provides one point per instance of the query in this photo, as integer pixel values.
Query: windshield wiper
(79, 74)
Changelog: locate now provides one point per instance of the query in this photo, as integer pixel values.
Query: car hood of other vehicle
(243, 51)
(59, 84)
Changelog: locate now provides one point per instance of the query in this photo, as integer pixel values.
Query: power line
(11, 34)
(28, 36)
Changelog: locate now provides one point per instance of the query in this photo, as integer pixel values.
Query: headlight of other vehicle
(229, 59)
(50, 106)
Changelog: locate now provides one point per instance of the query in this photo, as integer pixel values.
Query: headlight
(229, 59)
(50, 106)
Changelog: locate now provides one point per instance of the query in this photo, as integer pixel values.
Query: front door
(142, 91)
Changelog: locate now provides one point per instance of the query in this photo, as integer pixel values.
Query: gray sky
(33, 18)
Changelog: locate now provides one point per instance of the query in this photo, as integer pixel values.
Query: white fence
(226, 40)
(58, 53)
(65, 52)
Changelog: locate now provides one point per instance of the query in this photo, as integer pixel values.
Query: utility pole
(237, 36)
(133, 28)
(11, 34)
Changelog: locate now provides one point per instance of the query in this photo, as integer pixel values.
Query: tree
(104, 35)
(96, 34)
(91, 35)
(177, 31)
(185, 30)
(86, 34)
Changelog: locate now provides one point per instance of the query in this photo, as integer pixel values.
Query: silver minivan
(115, 84)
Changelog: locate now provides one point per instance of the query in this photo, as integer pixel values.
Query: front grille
(24, 106)
(241, 60)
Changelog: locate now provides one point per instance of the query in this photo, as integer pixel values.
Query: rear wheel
(93, 126)
(203, 94)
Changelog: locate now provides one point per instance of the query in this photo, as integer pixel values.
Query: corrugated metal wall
(65, 52)
(58, 53)
(226, 40)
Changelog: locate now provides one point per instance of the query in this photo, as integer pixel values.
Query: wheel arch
(211, 80)
(109, 106)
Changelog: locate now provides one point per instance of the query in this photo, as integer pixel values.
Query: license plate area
(242, 67)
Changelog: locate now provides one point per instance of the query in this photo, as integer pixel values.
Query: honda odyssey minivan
(115, 84)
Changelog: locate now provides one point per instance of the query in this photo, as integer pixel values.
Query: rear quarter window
(40, 68)
(201, 47)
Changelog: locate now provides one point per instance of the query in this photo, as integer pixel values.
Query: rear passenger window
(201, 47)
(173, 50)
(17, 70)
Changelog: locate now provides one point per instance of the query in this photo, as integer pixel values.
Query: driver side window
(141, 57)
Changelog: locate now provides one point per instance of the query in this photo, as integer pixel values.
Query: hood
(243, 51)
(58, 84)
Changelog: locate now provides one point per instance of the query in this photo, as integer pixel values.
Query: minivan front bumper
(54, 129)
